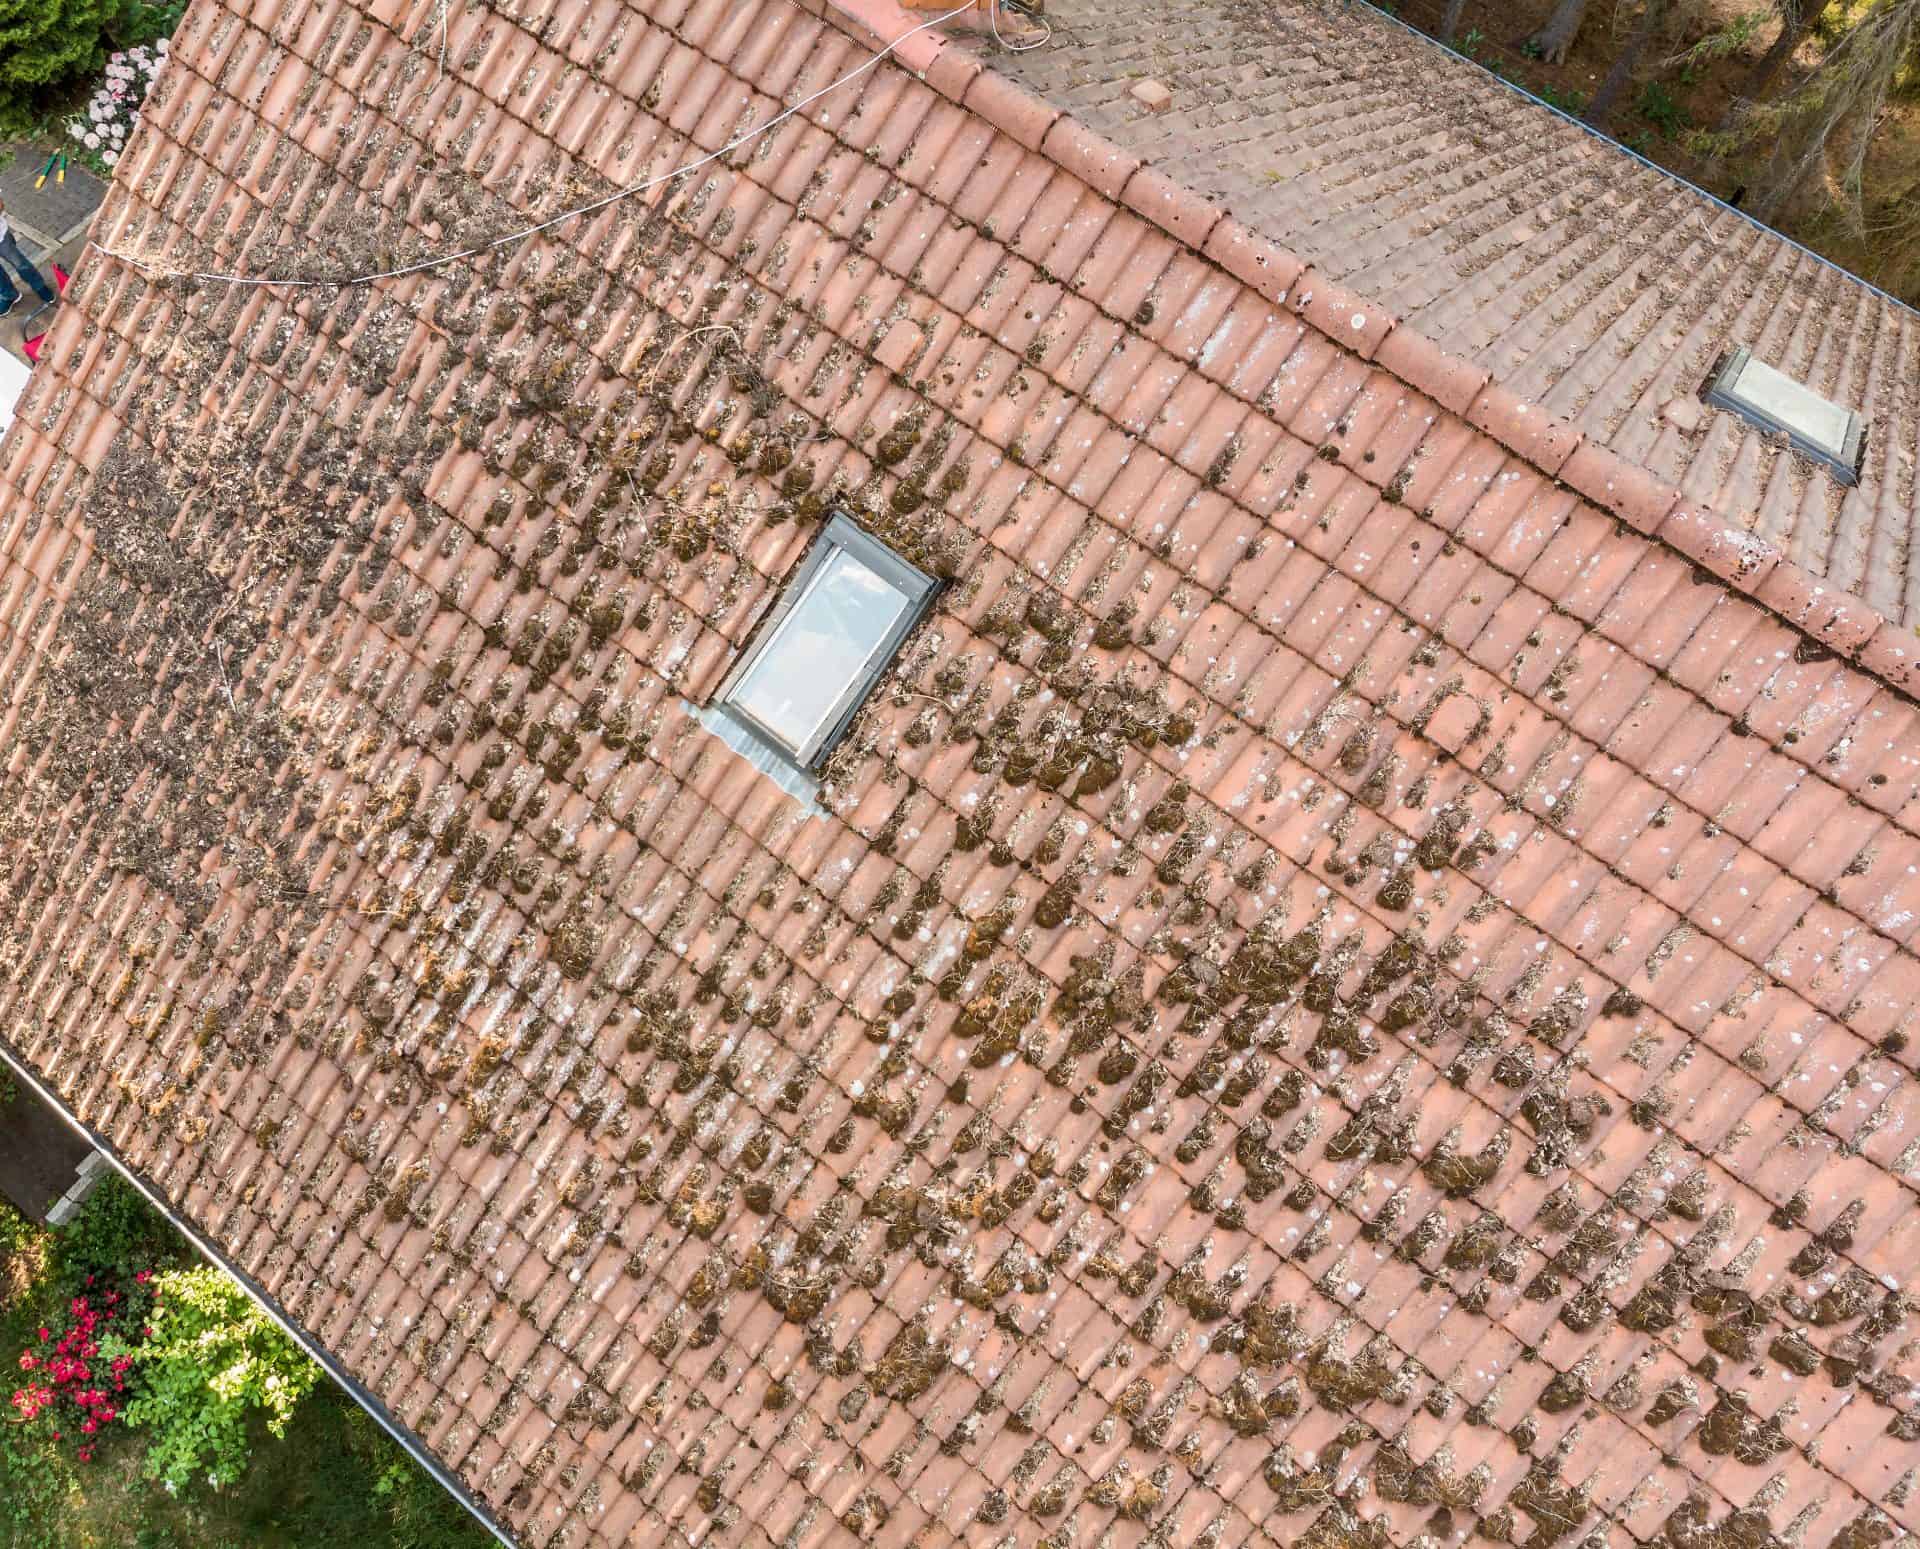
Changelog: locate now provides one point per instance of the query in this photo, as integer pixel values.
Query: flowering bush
(73, 1378)
(111, 112)
(208, 1359)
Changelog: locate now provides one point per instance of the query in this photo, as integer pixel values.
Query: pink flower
(27, 1362)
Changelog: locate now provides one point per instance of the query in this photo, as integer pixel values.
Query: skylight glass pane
(1790, 404)
(824, 646)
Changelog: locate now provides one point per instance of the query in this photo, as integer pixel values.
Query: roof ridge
(1658, 509)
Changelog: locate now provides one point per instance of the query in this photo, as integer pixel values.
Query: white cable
(567, 215)
(993, 20)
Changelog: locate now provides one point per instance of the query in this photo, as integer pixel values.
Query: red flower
(69, 1382)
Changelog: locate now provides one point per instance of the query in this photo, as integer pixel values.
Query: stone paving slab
(53, 211)
(39, 1151)
(52, 225)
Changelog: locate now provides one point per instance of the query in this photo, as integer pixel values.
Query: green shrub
(46, 43)
(214, 1359)
(37, 1483)
(18, 1235)
(47, 46)
(1570, 102)
(135, 22)
(1659, 107)
(114, 1232)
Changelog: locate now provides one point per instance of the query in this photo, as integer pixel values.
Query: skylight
(1774, 401)
(813, 662)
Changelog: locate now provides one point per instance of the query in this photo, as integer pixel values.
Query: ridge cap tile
(1450, 160)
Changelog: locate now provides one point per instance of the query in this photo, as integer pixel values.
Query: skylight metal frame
(841, 535)
(1721, 391)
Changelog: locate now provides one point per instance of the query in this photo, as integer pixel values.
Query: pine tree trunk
(1555, 38)
(1797, 19)
(1620, 74)
(1450, 19)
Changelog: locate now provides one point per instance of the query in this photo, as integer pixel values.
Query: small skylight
(1775, 402)
(812, 663)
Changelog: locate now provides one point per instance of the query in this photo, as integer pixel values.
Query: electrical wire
(214, 278)
(1019, 8)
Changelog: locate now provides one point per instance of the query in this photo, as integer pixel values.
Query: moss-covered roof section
(1343, 994)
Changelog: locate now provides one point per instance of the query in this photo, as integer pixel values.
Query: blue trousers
(10, 251)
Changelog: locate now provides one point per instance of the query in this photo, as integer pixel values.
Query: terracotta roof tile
(1474, 249)
(776, 1080)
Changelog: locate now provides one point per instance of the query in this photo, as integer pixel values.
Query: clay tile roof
(1573, 273)
(1353, 985)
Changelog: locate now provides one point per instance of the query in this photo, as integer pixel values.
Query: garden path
(51, 221)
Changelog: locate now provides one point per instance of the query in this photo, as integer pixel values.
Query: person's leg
(9, 294)
(10, 250)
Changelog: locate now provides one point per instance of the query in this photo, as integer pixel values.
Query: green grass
(335, 1482)
(1659, 107)
(1572, 103)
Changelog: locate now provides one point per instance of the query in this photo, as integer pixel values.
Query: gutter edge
(324, 1359)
